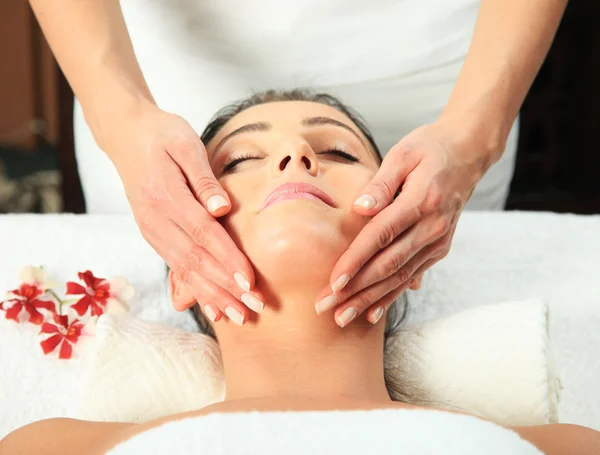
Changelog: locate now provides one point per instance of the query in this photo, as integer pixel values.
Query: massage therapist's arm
(170, 186)
(438, 165)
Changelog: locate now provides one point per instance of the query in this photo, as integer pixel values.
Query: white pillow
(492, 361)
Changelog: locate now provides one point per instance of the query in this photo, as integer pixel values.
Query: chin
(299, 242)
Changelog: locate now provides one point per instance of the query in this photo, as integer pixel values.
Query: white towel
(492, 361)
(495, 257)
(348, 432)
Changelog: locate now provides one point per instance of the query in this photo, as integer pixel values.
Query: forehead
(284, 116)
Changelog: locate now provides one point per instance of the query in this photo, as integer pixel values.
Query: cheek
(349, 182)
(244, 193)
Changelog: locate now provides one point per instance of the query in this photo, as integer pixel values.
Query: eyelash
(232, 163)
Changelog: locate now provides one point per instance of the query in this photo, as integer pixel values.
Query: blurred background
(558, 161)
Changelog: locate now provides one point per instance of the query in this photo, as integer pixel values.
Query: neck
(289, 350)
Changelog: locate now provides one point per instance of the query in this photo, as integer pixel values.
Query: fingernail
(325, 304)
(347, 316)
(234, 315)
(216, 202)
(340, 283)
(377, 315)
(210, 313)
(252, 302)
(366, 201)
(242, 281)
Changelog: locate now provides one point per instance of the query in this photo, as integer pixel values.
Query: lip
(297, 190)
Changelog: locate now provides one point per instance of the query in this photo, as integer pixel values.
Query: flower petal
(75, 289)
(49, 344)
(90, 280)
(13, 312)
(48, 328)
(61, 319)
(89, 328)
(35, 317)
(45, 304)
(26, 274)
(115, 306)
(65, 350)
(82, 305)
(96, 309)
(30, 274)
(121, 288)
(50, 284)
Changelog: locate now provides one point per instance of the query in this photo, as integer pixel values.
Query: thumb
(385, 185)
(201, 180)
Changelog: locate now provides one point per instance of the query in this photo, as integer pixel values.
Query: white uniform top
(394, 61)
(389, 431)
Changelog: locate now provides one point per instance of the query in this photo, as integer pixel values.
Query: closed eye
(340, 154)
(232, 163)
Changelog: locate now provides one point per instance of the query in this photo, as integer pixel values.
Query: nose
(297, 156)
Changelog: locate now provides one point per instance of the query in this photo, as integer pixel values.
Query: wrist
(480, 142)
(113, 105)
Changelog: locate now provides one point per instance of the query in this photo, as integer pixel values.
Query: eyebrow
(257, 126)
(316, 121)
(265, 126)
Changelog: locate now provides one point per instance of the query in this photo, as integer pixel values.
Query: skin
(169, 182)
(438, 165)
(287, 357)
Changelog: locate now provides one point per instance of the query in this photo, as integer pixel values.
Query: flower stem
(60, 302)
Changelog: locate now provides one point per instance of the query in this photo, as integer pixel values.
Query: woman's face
(323, 160)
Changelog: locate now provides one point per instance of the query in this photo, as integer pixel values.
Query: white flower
(87, 337)
(36, 276)
(120, 294)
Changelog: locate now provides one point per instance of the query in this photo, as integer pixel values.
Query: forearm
(510, 42)
(91, 43)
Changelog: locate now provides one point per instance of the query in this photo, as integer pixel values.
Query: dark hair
(397, 389)
(271, 96)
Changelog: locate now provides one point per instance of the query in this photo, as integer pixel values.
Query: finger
(208, 233)
(379, 232)
(428, 264)
(184, 294)
(191, 157)
(375, 313)
(210, 311)
(383, 229)
(416, 283)
(381, 190)
(420, 237)
(217, 297)
(361, 301)
(188, 260)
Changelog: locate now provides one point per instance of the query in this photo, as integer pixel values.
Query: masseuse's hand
(435, 173)
(175, 198)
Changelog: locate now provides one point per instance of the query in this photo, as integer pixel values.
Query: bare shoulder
(552, 439)
(60, 436)
(561, 438)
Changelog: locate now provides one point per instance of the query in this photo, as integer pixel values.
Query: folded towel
(347, 432)
(490, 361)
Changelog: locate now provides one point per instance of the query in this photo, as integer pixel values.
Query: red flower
(95, 294)
(65, 334)
(27, 297)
